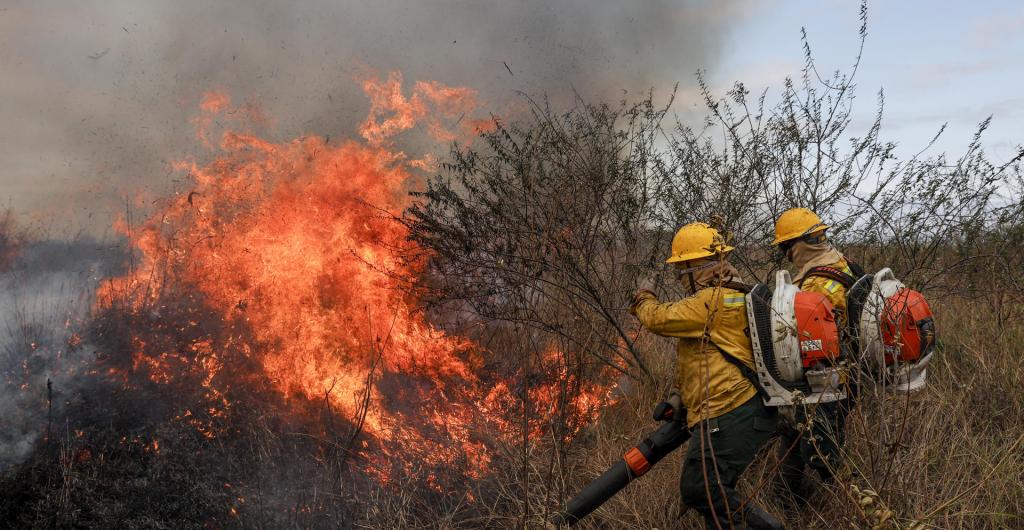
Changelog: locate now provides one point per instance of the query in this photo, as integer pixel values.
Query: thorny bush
(551, 223)
(538, 234)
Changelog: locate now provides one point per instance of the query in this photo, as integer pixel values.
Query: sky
(97, 96)
(937, 62)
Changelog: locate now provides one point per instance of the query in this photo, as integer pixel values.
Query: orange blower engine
(796, 345)
(894, 330)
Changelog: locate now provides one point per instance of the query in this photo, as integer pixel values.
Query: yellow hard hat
(695, 241)
(795, 223)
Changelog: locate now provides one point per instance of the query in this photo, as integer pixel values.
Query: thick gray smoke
(43, 301)
(98, 93)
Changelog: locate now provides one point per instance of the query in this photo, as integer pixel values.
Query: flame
(432, 103)
(295, 247)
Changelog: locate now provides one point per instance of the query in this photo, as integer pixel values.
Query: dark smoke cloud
(96, 94)
(43, 300)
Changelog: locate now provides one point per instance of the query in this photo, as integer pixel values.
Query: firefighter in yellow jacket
(725, 414)
(800, 235)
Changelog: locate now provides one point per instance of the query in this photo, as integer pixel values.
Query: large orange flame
(297, 241)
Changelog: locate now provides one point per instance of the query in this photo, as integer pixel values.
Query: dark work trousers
(819, 448)
(712, 468)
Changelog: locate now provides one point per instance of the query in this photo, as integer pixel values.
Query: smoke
(42, 301)
(99, 97)
(97, 93)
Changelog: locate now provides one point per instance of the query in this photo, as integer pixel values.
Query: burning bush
(287, 348)
(268, 330)
(553, 221)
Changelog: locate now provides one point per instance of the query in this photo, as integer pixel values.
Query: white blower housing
(796, 344)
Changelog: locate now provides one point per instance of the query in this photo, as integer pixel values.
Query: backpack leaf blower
(796, 345)
(895, 329)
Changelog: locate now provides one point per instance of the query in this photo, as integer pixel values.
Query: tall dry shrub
(546, 225)
(552, 221)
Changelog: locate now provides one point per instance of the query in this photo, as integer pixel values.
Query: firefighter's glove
(640, 296)
(675, 400)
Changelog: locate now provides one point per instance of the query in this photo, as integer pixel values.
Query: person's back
(707, 324)
(801, 236)
(818, 262)
(727, 418)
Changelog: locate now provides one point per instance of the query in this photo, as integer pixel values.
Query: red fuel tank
(908, 327)
(816, 328)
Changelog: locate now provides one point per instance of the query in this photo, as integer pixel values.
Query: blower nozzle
(634, 464)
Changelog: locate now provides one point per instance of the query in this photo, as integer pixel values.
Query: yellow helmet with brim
(696, 241)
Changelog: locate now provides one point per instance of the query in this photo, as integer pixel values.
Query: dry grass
(946, 457)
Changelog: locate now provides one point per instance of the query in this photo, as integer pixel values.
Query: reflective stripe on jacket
(833, 290)
(710, 385)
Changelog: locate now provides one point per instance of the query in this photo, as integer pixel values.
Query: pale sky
(96, 95)
(937, 61)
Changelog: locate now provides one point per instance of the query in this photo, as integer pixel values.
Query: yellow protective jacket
(710, 385)
(833, 290)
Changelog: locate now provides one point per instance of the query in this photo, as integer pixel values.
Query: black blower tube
(634, 464)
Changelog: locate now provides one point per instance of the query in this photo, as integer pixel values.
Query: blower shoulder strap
(844, 279)
(856, 269)
(747, 371)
